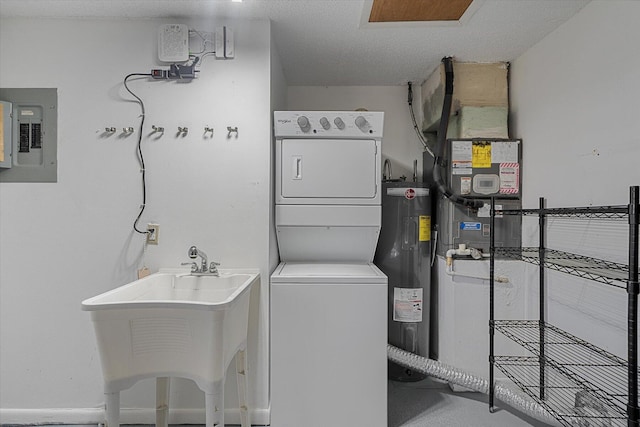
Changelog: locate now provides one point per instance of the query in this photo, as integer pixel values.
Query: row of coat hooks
(159, 130)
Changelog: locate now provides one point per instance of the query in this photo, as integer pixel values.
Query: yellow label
(425, 228)
(1, 133)
(481, 155)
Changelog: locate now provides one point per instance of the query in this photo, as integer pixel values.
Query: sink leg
(162, 402)
(241, 375)
(214, 406)
(112, 409)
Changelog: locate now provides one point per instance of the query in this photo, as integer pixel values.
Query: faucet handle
(213, 267)
(194, 266)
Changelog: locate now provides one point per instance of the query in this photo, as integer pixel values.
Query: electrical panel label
(509, 178)
(425, 228)
(465, 185)
(471, 226)
(461, 157)
(504, 151)
(407, 304)
(481, 155)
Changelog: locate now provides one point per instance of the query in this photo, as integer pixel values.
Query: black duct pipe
(439, 161)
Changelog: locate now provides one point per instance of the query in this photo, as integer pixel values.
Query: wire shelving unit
(577, 382)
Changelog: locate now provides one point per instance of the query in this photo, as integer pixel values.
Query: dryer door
(327, 169)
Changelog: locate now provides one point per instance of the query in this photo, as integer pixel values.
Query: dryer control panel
(328, 124)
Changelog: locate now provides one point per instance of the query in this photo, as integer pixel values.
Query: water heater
(404, 255)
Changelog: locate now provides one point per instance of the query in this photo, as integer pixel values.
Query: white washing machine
(328, 301)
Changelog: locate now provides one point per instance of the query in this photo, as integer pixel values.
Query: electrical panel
(5, 134)
(29, 135)
(480, 169)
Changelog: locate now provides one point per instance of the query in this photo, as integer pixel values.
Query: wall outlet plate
(153, 231)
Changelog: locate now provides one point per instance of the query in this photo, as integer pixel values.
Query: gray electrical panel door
(5, 135)
(32, 139)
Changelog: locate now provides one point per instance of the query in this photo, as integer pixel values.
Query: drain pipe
(433, 368)
(439, 161)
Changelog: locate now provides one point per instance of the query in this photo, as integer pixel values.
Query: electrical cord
(204, 40)
(415, 124)
(139, 151)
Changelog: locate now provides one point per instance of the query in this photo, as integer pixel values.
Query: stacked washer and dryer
(328, 300)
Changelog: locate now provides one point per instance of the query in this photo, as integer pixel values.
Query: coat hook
(110, 130)
(157, 128)
(183, 130)
(208, 129)
(232, 130)
(127, 130)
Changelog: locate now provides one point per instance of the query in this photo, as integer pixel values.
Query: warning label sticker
(407, 304)
(465, 185)
(504, 151)
(509, 178)
(481, 155)
(425, 228)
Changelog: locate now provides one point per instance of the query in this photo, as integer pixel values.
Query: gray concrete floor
(433, 404)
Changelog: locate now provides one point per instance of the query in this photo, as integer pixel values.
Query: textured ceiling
(330, 42)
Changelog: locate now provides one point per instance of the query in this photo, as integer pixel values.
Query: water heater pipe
(433, 368)
(439, 162)
(474, 253)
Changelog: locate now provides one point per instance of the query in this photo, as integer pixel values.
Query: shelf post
(541, 257)
(492, 256)
(633, 411)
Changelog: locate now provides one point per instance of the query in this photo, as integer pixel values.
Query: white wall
(64, 242)
(400, 143)
(575, 100)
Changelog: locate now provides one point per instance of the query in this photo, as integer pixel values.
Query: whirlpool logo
(284, 120)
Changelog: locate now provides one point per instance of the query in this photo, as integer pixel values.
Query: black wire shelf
(570, 402)
(604, 212)
(582, 365)
(598, 270)
(579, 383)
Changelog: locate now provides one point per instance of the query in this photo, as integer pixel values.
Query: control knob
(304, 124)
(325, 123)
(362, 123)
(339, 123)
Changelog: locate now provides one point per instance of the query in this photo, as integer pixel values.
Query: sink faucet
(194, 253)
(205, 267)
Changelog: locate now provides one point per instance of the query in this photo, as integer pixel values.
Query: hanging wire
(139, 151)
(415, 124)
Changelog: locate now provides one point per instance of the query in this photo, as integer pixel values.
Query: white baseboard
(94, 416)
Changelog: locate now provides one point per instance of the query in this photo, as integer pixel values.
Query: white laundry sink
(176, 288)
(173, 324)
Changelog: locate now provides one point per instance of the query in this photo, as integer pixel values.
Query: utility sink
(177, 288)
(175, 324)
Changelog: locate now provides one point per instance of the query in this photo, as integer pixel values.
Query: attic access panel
(418, 10)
